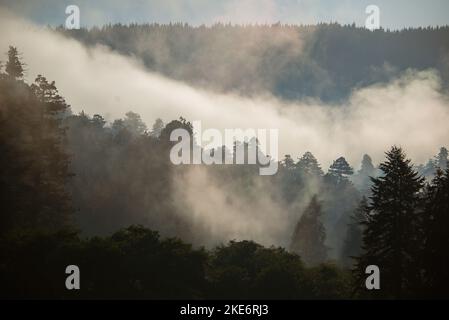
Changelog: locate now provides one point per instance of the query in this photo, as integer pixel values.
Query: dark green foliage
(352, 247)
(392, 234)
(436, 254)
(132, 263)
(135, 263)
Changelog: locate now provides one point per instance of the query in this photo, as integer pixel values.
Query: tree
(14, 67)
(158, 126)
(309, 165)
(133, 122)
(288, 162)
(362, 179)
(35, 165)
(352, 246)
(367, 168)
(309, 235)
(436, 254)
(441, 159)
(391, 236)
(340, 169)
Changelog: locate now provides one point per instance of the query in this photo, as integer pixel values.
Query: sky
(394, 14)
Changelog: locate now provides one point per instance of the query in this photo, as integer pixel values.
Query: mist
(411, 111)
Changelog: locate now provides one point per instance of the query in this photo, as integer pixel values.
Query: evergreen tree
(309, 235)
(288, 162)
(35, 166)
(340, 169)
(362, 180)
(391, 236)
(441, 159)
(367, 168)
(352, 246)
(436, 253)
(309, 165)
(14, 67)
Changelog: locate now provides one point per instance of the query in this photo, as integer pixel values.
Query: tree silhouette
(14, 67)
(436, 254)
(309, 235)
(390, 238)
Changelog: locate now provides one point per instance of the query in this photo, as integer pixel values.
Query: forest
(293, 62)
(76, 188)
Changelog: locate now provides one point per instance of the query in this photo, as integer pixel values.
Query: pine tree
(309, 235)
(340, 169)
(441, 159)
(436, 226)
(14, 67)
(309, 165)
(391, 236)
(362, 180)
(288, 162)
(367, 168)
(352, 246)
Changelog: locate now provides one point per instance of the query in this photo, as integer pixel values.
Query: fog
(409, 111)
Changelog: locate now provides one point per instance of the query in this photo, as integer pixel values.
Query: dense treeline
(135, 263)
(324, 61)
(65, 176)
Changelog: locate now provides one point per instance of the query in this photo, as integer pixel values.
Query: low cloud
(410, 111)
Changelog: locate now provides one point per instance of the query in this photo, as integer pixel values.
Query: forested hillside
(72, 184)
(325, 61)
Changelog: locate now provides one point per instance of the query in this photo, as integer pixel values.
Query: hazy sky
(394, 13)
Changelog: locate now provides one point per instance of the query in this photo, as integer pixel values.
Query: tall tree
(309, 235)
(352, 246)
(14, 67)
(362, 179)
(441, 159)
(391, 236)
(367, 167)
(436, 226)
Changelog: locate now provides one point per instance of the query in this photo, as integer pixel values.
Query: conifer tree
(436, 226)
(14, 67)
(340, 169)
(352, 246)
(309, 165)
(309, 235)
(441, 159)
(288, 162)
(391, 236)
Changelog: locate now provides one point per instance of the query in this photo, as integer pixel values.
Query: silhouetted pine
(391, 239)
(352, 246)
(436, 253)
(14, 67)
(309, 235)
